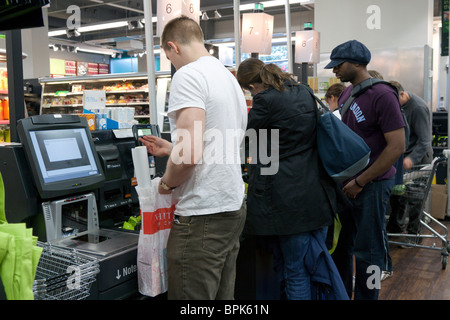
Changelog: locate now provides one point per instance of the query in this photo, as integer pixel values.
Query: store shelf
(65, 95)
(4, 122)
(4, 92)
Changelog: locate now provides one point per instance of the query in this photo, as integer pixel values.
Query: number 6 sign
(167, 10)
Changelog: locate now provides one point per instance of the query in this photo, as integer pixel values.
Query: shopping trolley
(416, 189)
(64, 274)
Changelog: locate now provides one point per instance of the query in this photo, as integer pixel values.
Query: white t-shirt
(216, 184)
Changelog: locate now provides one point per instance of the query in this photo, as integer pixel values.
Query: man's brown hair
(399, 87)
(183, 30)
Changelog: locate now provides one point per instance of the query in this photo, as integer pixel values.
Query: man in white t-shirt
(208, 116)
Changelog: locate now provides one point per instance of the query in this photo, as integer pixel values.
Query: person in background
(331, 97)
(294, 206)
(381, 127)
(210, 213)
(418, 151)
(375, 74)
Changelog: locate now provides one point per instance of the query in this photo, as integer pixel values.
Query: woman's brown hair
(253, 70)
(334, 90)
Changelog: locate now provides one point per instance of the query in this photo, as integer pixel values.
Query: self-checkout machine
(51, 180)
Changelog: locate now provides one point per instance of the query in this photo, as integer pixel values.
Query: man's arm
(394, 149)
(188, 149)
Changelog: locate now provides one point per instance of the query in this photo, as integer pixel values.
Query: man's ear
(173, 46)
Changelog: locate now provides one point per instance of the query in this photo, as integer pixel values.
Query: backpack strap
(323, 108)
(361, 88)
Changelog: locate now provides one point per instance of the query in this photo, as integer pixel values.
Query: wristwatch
(166, 186)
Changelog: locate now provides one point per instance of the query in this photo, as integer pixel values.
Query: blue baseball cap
(350, 51)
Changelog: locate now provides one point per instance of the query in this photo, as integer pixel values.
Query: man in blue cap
(375, 116)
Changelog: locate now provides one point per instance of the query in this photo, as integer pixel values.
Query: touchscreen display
(63, 154)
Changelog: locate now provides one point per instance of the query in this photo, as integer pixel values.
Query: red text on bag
(158, 220)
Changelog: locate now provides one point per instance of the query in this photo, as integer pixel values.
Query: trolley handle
(438, 160)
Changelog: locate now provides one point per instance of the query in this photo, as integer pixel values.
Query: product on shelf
(90, 118)
(5, 105)
(3, 79)
(77, 88)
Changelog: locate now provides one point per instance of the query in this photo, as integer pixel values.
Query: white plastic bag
(156, 220)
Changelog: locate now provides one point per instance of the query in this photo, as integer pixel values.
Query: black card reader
(140, 130)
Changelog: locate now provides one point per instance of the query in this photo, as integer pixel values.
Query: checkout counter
(75, 189)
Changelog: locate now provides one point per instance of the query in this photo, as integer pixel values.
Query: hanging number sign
(307, 48)
(167, 10)
(257, 31)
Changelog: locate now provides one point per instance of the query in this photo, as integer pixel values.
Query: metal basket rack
(64, 274)
(417, 182)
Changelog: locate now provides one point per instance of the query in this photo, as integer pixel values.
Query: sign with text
(257, 31)
(94, 99)
(169, 9)
(307, 48)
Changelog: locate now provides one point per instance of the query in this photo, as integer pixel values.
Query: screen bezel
(49, 150)
(48, 190)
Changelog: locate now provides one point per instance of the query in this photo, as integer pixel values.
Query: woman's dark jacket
(300, 197)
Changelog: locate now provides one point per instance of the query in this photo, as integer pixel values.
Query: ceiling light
(217, 15)
(130, 25)
(268, 4)
(139, 24)
(94, 27)
(72, 33)
(97, 50)
(205, 16)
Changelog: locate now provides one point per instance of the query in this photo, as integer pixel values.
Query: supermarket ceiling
(128, 12)
(94, 12)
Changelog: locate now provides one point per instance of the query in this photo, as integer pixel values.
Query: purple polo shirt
(372, 114)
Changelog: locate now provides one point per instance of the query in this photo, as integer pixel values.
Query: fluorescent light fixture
(94, 27)
(56, 33)
(103, 26)
(96, 50)
(273, 3)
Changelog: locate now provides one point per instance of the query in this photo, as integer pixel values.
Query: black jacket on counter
(300, 196)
